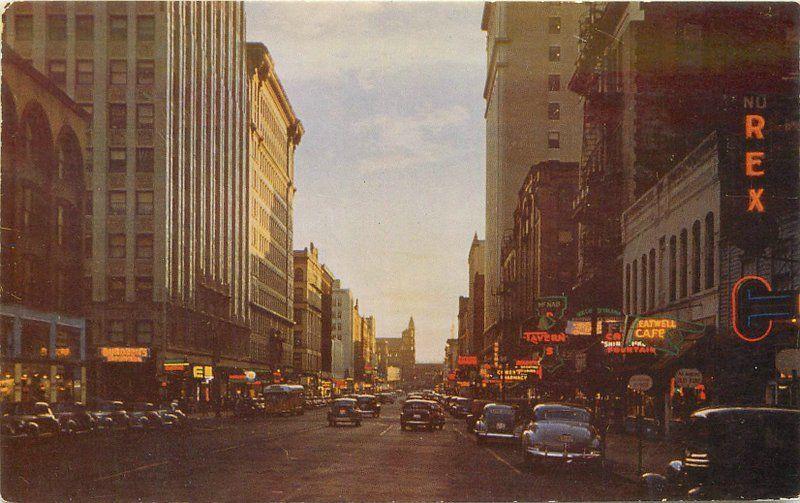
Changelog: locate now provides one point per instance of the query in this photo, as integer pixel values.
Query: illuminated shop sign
(124, 354)
(665, 335)
(202, 372)
(550, 310)
(467, 360)
(175, 366)
(539, 337)
(755, 307)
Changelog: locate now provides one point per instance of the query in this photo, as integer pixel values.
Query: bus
(284, 399)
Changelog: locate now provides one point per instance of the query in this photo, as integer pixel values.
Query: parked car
(475, 410)
(111, 414)
(369, 405)
(74, 417)
(35, 418)
(561, 432)
(145, 415)
(13, 427)
(344, 410)
(734, 453)
(498, 422)
(421, 413)
(181, 419)
(385, 397)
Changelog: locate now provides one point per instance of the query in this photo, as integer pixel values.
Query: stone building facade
(308, 274)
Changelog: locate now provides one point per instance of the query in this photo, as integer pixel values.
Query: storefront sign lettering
(640, 382)
(544, 337)
(550, 311)
(124, 354)
(467, 361)
(688, 378)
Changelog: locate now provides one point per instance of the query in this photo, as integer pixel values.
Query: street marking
(387, 429)
(132, 470)
(497, 456)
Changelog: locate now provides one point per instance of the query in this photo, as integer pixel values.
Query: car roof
(498, 406)
(345, 400)
(421, 400)
(714, 412)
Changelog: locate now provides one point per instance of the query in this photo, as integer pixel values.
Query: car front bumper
(490, 434)
(343, 419)
(560, 454)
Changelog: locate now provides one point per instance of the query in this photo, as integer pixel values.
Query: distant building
(464, 323)
(451, 354)
(42, 322)
(475, 300)
(408, 351)
(531, 116)
(342, 328)
(330, 347)
(273, 136)
(390, 351)
(308, 274)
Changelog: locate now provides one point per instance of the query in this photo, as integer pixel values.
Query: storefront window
(35, 383)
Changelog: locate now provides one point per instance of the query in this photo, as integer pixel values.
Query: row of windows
(117, 246)
(84, 28)
(143, 288)
(117, 71)
(142, 330)
(118, 116)
(118, 160)
(643, 274)
(118, 202)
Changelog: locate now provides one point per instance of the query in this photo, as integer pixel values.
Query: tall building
(475, 300)
(408, 351)
(166, 182)
(531, 116)
(308, 274)
(342, 330)
(390, 351)
(42, 324)
(330, 347)
(273, 135)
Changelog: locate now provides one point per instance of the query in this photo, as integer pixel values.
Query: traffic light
(755, 307)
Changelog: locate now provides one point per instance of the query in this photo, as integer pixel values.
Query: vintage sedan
(734, 453)
(421, 414)
(369, 405)
(111, 414)
(35, 418)
(145, 415)
(475, 410)
(561, 432)
(344, 410)
(497, 422)
(74, 417)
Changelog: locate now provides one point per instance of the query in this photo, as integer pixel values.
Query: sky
(390, 172)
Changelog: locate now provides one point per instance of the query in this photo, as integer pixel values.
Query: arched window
(709, 249)
(635, 286)
(643, 272)
(697, 259)
(298, 274)
(627, 288)
(673, 273)
(684, 257)
(651, 296)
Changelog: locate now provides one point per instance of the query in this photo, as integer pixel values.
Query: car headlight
(480, 426)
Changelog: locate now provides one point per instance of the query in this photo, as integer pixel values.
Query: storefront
(44, 356)
(125, 373)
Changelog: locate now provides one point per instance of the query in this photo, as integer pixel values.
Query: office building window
(117, 115)
(144, 159)
(117, 160)
(555, 53)
(553, 139)
(145, 71)
(118, 72)
(145, 28)
(56, 27)
(554, 111)
(84, 71)
(84, 28)
(144, 329)
(23, 28)
(144, 202)
(57, 71)
(554, 82)
(116, 245)
(116, 329)
(554, 25)
(117, 202)
(118, 28)
(144, 246)
(144, 116)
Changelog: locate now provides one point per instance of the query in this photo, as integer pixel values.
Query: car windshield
(61, 407)
(417, 405)
(572, 415)
(499, 412)
(461, 401)
(366, 400)
(338, 404)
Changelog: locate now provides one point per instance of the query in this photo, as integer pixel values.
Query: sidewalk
(622, 455)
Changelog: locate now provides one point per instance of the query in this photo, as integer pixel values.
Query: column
(17, 382)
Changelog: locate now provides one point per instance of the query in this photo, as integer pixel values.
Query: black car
(111, 414)
(734, 453)
(74, 417)
(497, 422)
(459, 407)
(421, 413)
(369, 405)
(344, 410)
(35, 418)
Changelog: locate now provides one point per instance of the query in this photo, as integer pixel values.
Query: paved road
(291, 459)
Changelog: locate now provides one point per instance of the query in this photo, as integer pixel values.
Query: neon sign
(539, 337)
(754, 307)
(663, 334)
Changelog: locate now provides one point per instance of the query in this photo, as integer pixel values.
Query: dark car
(475, 410)
(561, 432)
(145, 415)
(734, 453)
(35, 417)
(344, 410)
(111, 414)
(460, 407)
(497, 422)
(182, 419)
(369, 405)
(74, 417)
(421, 413)
(385, 398)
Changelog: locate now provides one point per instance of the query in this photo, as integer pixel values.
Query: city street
(291, 459)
